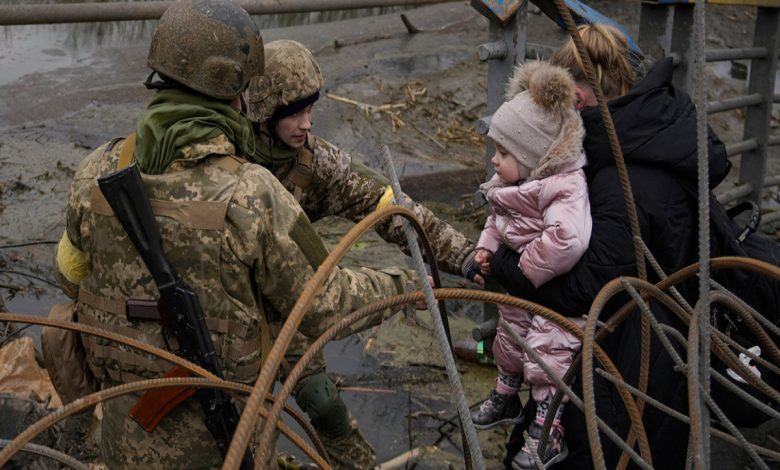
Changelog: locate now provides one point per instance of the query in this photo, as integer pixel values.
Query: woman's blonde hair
(609, 52)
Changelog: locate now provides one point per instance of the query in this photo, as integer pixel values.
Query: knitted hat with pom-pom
(541, 108)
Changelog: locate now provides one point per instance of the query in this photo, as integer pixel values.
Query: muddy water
(41, 48)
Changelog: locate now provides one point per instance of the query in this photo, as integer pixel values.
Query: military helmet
(291, 75)
(211, 46)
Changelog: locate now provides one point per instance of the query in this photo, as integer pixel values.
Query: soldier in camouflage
(229, 228)
(326, 181)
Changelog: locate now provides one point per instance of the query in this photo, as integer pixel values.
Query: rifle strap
(154, 404)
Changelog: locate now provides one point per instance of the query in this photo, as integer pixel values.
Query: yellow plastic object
(386, 199)
(71, 261)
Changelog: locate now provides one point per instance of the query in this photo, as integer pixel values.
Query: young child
(539, 207)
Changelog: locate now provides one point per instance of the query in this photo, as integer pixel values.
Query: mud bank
(393, 384)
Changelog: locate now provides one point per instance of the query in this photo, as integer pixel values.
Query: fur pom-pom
(551, 87)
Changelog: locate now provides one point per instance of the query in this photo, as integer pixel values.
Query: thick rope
(606, 117)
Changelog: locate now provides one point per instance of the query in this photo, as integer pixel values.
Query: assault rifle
(181, 313)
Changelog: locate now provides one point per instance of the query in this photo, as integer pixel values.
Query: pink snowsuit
(548, 222)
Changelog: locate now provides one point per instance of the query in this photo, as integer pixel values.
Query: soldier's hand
(420, 304)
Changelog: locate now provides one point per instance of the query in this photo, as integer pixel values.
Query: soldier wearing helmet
(326, 181)
(229, 229)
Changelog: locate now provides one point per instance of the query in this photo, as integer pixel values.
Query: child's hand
(482, 258)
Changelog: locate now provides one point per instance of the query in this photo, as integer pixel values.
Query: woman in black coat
(656, 126)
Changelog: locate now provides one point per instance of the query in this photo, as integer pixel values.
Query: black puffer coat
(656, 126)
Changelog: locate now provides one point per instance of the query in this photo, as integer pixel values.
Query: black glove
(469, 268)
(505, 270)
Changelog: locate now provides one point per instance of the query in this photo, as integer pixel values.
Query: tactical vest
(190, 205)
(303, 170)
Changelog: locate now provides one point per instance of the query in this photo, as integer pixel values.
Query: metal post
(682, 25)
(513, 35)
(655, 30)
(757, 119)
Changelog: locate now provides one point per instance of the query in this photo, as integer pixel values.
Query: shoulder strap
(303, 171)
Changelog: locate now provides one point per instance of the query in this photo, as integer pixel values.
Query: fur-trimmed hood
(541, 93)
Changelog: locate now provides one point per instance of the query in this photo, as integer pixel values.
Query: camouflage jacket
(349, 189)
(246, 248)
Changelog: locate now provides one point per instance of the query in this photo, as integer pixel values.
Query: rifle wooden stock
(155, 404)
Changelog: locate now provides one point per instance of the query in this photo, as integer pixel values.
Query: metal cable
(50, 453)
(699, 333)
(757, 315)
(23, 244)
(573, 398)
(467, 425)
(729, 384)
(477, 296)
(606, 117)
(681, 417)
(720, 348)
(266, 438)
(719, 413)
(761, 336)
(31, 276)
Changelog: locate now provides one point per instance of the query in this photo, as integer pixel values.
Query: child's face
(508, 169)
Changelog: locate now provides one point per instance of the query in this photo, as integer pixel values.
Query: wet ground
(82, 92)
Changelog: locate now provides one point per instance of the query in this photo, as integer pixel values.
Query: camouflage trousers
(182, 441)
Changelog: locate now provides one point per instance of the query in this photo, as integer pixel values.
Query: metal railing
(132, 11)
(665, 32)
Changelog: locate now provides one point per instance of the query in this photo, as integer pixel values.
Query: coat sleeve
(352, 190)
(340, 186)
(489, 239)
(277, 242)
(567, 227)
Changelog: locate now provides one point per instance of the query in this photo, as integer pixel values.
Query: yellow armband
(71, 261)
(386, 199)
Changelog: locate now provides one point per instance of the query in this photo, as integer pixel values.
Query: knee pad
(319, 398)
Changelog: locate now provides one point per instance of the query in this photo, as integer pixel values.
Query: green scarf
(272, 154)
(176, 118)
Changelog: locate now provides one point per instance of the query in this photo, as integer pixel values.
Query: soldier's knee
(319, 398)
